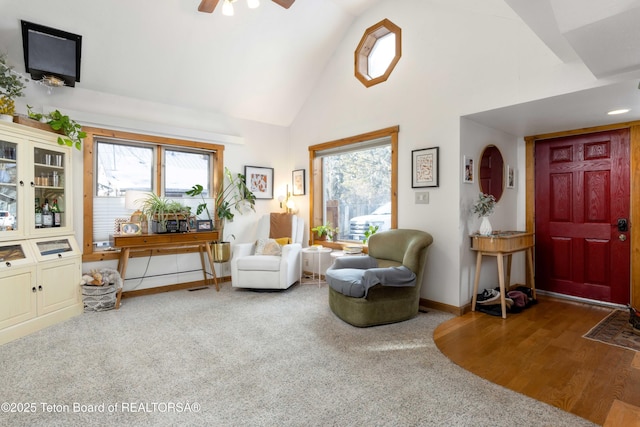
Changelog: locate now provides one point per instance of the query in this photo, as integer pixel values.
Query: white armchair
(249, 270)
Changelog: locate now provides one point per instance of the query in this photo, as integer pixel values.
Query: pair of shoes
(488, 296)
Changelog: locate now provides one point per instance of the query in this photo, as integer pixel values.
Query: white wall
(246, 143)
(458, 57)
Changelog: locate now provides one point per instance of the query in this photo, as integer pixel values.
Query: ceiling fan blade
(284, 3)
(207, 5)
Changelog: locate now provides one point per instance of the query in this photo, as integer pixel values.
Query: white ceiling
(602, 34)
(262, 64)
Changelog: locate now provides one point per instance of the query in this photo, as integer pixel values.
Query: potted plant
(11, 87)
(370, 232)
(60, 122)
(160, 211)
(484, 207)
(323, 231)
(232, 193)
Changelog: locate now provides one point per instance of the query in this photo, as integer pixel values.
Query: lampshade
(133, 200)
(227, 8)
(253, 3)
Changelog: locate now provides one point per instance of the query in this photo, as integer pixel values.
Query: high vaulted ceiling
(168, 52)
(262, 64)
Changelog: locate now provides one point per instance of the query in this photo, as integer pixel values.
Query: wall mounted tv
(50, 52)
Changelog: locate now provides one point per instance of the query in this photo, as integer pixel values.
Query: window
(354, 183)
(378, 53)
(120, 161)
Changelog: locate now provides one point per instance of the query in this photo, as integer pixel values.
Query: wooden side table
(500, 245)
(144, 242)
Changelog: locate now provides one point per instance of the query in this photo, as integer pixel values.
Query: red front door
(582, 216)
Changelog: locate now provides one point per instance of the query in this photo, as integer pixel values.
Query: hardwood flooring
(541, 353)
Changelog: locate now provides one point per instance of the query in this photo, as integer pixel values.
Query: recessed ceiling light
(621, 111)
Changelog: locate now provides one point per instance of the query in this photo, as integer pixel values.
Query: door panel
(582, 190)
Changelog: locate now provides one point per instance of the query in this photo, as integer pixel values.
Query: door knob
(622, 237)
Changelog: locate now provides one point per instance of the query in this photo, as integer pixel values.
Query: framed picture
(297, 182)
(511, 177)
(204, 225)
(117, 224)
(259, 181)
(130, 228)
(424, 167)
(467, 170)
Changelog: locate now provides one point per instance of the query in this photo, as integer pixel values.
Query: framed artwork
(467, 170)
(511, 177)
(259, 181)
(130, 228)
(297, 182)
(424, 167)
(204, 225)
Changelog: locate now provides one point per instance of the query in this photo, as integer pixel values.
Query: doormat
(615, 329)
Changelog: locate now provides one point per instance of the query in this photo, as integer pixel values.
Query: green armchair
(382, 303)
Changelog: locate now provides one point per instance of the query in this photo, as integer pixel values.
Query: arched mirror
(491, 172)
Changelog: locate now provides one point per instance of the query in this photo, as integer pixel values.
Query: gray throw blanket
(354, 276)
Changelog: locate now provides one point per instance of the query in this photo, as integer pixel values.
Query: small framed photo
(204, 225)
(297, 183)
(193, 221)
(259, 181)
(117, 224)
(424, 167)
(511, 177)
(467, 170)
(130, 228)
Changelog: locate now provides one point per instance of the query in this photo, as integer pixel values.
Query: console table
(145, 242)
(499, 245)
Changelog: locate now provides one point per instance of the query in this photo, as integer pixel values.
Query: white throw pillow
(268, 247)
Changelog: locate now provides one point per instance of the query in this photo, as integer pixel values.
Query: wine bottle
(38, 213)
(57, 215)
(47, 216)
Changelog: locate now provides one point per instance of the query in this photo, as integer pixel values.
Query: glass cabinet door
(49, 187)
(8, 186)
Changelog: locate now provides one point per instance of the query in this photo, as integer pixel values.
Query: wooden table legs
(504, 280)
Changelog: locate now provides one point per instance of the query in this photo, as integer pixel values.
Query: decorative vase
(485, 227)
(6, 118)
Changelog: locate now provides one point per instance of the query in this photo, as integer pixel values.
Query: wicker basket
(102, 298)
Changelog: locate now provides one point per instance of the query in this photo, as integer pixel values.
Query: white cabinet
(39, 284)
(33, 168)
(40, 267)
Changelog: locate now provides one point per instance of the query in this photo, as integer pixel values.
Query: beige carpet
(616, 330)
(242, 358)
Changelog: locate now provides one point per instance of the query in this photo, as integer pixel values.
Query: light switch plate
(422, 197)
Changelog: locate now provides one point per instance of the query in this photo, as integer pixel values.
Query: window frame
(316, 178)
(160, 143)
(365, 47)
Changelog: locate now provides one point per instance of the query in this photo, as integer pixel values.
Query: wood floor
(541, 353)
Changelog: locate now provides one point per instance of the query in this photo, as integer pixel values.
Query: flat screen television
(51, 52)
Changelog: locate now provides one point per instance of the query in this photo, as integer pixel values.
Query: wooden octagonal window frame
(365, 47)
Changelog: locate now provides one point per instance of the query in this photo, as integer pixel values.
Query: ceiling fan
(209, 5)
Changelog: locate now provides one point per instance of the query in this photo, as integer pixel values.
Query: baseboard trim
(171, 288)
(426, 304)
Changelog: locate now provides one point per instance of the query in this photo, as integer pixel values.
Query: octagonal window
(378, 52)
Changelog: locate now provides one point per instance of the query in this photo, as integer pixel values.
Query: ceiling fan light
(227, 8)
(253, 3)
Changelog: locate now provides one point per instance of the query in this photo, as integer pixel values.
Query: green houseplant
(323, 231)
(159, 210)
(11, 87)
(370, 232)
(232, 193)
(60, 122)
